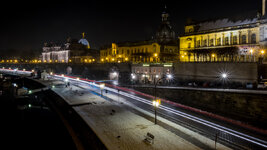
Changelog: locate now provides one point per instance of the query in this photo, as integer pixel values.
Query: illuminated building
(162, 48)
(238, 38)
(74, 51)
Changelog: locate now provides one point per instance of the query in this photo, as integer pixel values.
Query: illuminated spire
(83, 34)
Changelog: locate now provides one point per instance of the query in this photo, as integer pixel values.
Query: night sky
(27, 25)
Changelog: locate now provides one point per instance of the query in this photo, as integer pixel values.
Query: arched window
(211, 42)
(154, 48)
(253, 38)
(198, 43)
(244, 39)
(234, 40)
(226, 41)
(205, 43)
(219, 41)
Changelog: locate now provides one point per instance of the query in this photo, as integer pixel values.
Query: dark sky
(27, 25)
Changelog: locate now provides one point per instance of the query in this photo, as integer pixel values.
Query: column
(208, 40)
(215, 40)
(222, 42)
(239, 38)
(231, 38)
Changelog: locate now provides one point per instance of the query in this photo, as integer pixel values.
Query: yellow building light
(70, 60)
(62, 61)
(262, 51)
(102, 59)
(15, 61)
(45, 61)
(185, 53)
(50, 61)
(126, 59)
(119, 61)
(93, 59)
(7, 60)
(212, 55)
(10, 60)
(90, 60)
(251, 51)
(56, 61)
(119, 55)
(155, 54)
(85, 60)
(112, 59)
(182, 56)
(106, 58)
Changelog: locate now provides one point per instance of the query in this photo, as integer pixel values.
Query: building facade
(239, 38)
(162, 48)
(76, 51)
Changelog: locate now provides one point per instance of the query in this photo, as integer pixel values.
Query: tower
(165, 32)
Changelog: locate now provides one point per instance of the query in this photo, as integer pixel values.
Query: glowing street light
(30, 91)
(102, 86)
(115, 73)
(169, 76)
(224, 75)
(156, 104)
(133, 76)
(157, 76)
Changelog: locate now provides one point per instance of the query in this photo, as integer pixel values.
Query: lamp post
(102, 86)
(78, 81)
(156, 104)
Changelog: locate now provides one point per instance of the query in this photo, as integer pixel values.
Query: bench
(149, 138)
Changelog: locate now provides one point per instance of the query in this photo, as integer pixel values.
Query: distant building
(237, 38)
(162, 48)
(76, 51)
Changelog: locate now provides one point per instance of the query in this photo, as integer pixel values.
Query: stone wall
(237, 72)
(90, 71)
(246, 107)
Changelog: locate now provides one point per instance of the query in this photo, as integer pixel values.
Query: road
(231, 135)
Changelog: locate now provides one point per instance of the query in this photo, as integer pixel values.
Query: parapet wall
(237, 72)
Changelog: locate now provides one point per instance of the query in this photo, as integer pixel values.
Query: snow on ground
(119, 128)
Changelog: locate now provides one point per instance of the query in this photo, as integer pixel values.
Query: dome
(165, 33)
(83, 41)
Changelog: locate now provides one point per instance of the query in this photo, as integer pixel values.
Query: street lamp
(156, 104)
(224, 75)
(102, 86)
